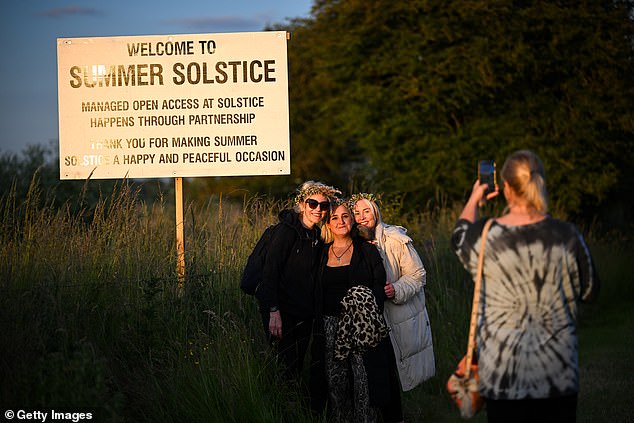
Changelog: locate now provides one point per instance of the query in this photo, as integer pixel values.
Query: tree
(404, 97)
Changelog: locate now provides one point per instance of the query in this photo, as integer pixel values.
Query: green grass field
(92, 319)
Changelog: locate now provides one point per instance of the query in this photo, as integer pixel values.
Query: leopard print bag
(361, 325)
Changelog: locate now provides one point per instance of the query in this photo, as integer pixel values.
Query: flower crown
(362, 196)
(337, 201)
(316, 188)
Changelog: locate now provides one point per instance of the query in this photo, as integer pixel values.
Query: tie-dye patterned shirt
(532, 279)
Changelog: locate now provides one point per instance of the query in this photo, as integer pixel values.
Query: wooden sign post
(180, 232)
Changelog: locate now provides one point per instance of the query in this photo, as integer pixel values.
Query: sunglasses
(323, 206)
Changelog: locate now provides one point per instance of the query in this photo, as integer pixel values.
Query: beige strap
(476, 300)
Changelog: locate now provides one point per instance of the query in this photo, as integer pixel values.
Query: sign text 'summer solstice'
(173, 106)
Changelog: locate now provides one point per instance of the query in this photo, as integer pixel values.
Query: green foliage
(405, 97)
(92, 319)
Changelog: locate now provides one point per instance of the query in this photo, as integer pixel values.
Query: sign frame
(183, 105)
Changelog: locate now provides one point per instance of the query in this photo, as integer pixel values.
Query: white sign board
(173, 106)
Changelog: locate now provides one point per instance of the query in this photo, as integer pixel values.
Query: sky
(29, 30)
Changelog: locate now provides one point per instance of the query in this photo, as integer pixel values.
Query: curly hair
(309, 188)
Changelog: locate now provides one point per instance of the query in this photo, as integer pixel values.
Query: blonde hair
(524, 172)
(372, 200)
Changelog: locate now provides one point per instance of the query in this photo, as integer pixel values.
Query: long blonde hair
(524, 172)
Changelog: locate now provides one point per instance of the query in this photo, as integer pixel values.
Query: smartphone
(486, 174)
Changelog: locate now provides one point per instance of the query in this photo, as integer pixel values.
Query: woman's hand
(275, 324)
(483, 196)
(389, 290)
(479, 190)
(477, 199)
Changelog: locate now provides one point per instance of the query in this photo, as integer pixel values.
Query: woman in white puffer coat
(405, 310)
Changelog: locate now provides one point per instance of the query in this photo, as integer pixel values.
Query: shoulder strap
(476, 299)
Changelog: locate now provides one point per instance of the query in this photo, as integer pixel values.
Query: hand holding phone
(487, 174)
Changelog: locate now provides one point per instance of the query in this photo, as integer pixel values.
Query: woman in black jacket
(287, 292)
(355, 338)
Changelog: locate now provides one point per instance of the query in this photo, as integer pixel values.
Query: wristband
(274, 309)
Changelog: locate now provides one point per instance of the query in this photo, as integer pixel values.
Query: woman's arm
(477, 198)
(588, 278)
(277, 254)
(413, 275)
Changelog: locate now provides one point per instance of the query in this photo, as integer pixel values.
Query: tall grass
(92, 320)
(91, 317)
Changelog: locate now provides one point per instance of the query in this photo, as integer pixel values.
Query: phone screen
(486, 174)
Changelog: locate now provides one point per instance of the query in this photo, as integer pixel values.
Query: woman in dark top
(536, 270)
(350, 306)
(287, 292)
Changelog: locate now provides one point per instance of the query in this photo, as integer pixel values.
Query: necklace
(332, 247)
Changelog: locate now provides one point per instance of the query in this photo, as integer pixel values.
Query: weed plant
(93, 320)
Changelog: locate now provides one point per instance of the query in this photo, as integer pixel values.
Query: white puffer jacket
(406, 314)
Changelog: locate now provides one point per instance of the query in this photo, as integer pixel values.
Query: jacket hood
(397, 233)
(291, 218)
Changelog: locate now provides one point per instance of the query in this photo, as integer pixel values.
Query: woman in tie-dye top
(536, 269)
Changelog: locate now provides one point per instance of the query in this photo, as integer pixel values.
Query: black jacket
(290, 267)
